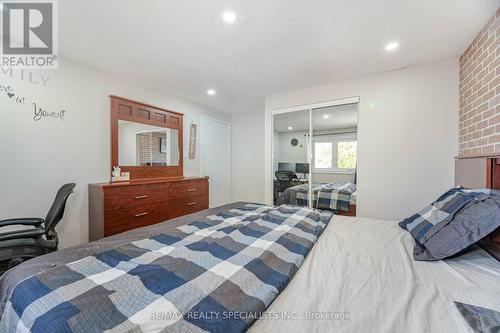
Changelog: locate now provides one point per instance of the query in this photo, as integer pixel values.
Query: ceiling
(184, 48)
(339, 117)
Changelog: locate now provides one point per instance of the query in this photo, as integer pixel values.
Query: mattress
(361, 276)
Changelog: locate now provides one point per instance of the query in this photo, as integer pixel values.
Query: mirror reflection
(147, 145)
(315, 158)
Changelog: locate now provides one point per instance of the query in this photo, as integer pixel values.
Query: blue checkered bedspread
(216, 274)
(332, 196)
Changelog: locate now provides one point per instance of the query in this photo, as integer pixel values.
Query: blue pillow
(492, 192)
(458, 219)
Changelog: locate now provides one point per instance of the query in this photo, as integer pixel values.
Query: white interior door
(215, 159)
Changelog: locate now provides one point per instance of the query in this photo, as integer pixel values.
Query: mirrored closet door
(291, 155)
(334, 153)
(315, 157)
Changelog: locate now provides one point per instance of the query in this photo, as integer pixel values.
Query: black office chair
(20, 245)
(285, 180)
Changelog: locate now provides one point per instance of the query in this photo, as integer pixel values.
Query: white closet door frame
(204, 118)
(336, 102)
(305, 107)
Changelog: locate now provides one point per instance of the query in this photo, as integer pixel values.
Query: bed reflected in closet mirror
(334, 158)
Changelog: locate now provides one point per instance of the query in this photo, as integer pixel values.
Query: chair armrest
(19, 234)
(33, 221)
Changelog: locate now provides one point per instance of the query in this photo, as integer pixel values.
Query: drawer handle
(192, 189)
(191, 203)
(141, 214)
(141, 197)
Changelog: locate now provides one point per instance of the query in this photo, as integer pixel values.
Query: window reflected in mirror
(147, 145)
(335, 152)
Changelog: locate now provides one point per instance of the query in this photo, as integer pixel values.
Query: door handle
(141, 197)
(191, 189)
(141, 214)
(191, 203)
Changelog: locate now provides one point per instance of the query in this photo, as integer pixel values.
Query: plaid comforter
(332, 196)
(216, 274)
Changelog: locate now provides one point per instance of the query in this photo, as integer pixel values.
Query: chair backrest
(285, 179)
(56, 212)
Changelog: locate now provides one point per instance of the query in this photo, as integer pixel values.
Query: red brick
(482, 91)
(479, 92)
(482, 124)
(494, 120)
(487, 114)
(488, 149)
(489, 95)
(488, 131)
(494, 139)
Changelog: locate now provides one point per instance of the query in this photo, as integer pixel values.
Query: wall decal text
(26, 76)
(40, 113)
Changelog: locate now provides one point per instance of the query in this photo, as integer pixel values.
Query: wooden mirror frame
(129, 110)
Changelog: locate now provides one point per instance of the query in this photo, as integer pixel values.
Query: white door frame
(304, 107)
(204, 118)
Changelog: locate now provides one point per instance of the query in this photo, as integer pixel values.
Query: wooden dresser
(118, 207)
(147, 143)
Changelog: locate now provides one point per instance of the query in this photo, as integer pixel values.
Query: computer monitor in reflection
(286, 166)
(302, 168)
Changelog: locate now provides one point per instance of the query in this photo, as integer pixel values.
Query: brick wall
(479, 125)
(149, 148)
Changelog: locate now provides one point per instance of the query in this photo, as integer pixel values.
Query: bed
(372, 282)
(340, 198)
(359, 275)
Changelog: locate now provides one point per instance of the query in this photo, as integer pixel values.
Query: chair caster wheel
(14, 262)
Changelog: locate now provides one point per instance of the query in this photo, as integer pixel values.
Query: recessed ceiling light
(211, 92)
(229, 16)
(290, 128)
(326, 116)
(392, 46)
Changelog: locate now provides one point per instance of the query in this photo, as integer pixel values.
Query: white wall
(173, 144)
(407, 135)
(39, 156)
(287, 152)
(247, 157)
(127, 143)
(332, 177)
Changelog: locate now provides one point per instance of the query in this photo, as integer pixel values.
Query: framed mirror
(145, 140)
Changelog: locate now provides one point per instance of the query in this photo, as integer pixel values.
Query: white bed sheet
(353, 200)
(364, 269)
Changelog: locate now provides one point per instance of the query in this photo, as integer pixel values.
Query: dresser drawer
(183, 206)
(119, 207)
(130, 196)
(134, 217)
(188, 189)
